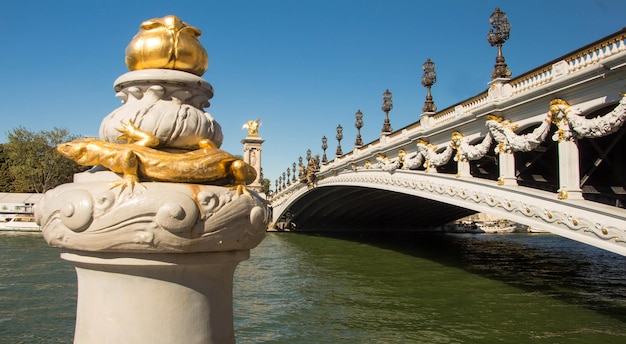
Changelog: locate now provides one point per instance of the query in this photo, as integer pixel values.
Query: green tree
(33, 162)
(6, 178)
(266, 185)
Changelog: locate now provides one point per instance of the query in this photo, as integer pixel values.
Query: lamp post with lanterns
(324, 147)
(428, 79)
(358, 124)
(339, 136)
(498, 34)
(387, 106)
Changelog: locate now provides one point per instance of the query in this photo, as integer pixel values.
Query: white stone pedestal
(155, 298)
(156, 264)
(155, 260)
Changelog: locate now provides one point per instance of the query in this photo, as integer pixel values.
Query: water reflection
(434, 288)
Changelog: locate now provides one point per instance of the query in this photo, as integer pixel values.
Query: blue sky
(302, 67)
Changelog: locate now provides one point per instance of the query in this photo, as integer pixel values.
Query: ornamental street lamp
(324, 147)
(428, 79)
(387, 106)
(280, 182)
(276, 185)
(339, 136)
(293, 166)
(358, 124)
(498, 34)
(284, 180)
(288, 176)
(308, 155)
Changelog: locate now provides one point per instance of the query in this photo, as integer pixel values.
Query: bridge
(545, 149)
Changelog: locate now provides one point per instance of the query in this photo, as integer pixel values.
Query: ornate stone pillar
(573, 125)
(461, 158)
(463, 168)
(506, 164)
(252, 147)
(156, 229)
(569, 170)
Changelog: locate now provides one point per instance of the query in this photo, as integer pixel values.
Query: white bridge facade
(546, 149)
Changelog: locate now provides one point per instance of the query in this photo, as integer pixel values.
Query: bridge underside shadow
(350, 208)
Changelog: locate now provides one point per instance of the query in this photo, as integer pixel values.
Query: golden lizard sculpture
(139, 160)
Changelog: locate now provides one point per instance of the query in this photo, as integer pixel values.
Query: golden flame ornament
(167, 43)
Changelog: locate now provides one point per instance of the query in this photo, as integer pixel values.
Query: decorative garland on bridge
(508, 141)
(569, 118)
(570, 121)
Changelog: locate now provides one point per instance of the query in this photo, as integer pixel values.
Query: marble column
(252, 148)
(154, 266)
(506, 161)
(569, 170)
(463, 168)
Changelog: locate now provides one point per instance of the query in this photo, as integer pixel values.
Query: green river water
(374, 288)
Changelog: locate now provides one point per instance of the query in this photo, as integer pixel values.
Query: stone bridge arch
(415, 200)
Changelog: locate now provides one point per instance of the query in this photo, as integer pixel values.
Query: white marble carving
(466, 152)
(413, 160)
(432, 158)
(158, 217)
(386, 164)
(571, 118)
(167, 103)
(503, 132)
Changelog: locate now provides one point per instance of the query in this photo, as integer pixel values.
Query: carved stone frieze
(413, 160)
(586, 223)
(466, 152)
(156, 217)
(572, 122)
(504, 133)
(431, 157)
(167, 103)
(386, 164)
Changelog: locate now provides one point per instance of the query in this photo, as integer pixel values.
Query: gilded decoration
(252, 127)
(160, 182)
(139, 160)
(310, 176)
(167, 43)
(572, 122)
(503, 132)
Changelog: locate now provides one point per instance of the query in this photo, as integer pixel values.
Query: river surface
(396, 288)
